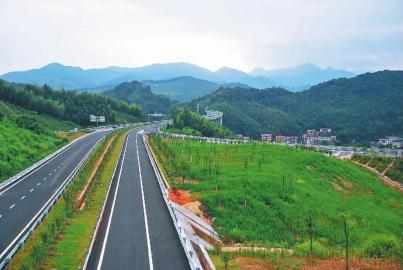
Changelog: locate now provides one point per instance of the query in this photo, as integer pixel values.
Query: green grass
(71, 250)
(275, 213)
(21, 147)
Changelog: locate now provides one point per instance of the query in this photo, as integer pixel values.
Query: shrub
(382, 246)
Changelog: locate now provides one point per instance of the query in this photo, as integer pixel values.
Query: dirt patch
(185, 180)
(337, 186)
(346, 183)
(180, 196)
(246, 263)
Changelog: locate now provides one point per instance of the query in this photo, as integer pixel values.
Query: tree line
(64, 104)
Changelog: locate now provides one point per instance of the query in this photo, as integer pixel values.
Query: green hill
(262, 195)
(136, 92)
(360, 109)
(26, 137)
(69, 105)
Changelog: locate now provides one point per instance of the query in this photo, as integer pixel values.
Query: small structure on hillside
(215, 116)
(266, 137)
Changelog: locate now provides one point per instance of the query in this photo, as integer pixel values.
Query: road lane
(124, 241)
(29, 195)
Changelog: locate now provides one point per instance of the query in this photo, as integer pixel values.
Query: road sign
(93, 118)
(101, 119)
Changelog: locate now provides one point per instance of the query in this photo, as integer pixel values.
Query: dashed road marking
(50, 173)
(12, 206)
(44, 179)
(38, 184)
(23, 197)
(31, 190)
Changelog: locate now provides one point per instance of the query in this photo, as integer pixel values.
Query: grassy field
(23, 145)
(262, 194)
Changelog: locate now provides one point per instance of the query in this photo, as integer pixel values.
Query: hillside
(26, 137)
(182, 88)
(262, 195)
(69, 105)
(136, 92)
(359, 109)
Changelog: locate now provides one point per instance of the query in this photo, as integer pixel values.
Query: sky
(356, 35)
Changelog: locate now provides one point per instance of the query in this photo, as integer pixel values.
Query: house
(325, 130)
(391, 140)
(266, 137)
(291, 139)
(280, 139)
(318, 139)
(311, 132)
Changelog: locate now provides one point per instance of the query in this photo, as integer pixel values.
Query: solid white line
(150, 255)
(101, 256)
(22, 197)
(12, 206)
(31, 190)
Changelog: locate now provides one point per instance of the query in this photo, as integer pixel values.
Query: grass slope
(276, 210)
(21, 147)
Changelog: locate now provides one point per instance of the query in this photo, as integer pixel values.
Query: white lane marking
(44, 179)
(58, 166)
(12, 206)
(101, 256)
(150, 255)
(54, 170)
(38, 184)
(31, 190)
(50, 174)
(1, 216)
(22, 197)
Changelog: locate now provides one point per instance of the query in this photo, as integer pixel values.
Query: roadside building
(311, 132)
(280, 139)
(291, 139)
(266, 137)
(392, 141)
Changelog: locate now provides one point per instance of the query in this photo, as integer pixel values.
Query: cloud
(244, 34)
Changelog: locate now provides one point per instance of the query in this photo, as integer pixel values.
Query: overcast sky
(355, 35)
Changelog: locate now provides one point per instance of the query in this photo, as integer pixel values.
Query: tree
(348, 225)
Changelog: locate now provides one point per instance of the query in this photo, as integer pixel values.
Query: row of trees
(186, 119)
(64, 104)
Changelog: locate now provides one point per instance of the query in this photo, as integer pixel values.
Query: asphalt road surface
(137, 231)
(20, 201)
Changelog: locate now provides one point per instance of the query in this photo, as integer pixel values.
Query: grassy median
(62, 240)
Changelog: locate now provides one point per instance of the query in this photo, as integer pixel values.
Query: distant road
(21, 201)
(137, 231)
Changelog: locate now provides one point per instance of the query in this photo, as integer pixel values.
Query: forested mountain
(182, 88)
(75, 78)
(363, 108)
(136, 92)
(68, 105)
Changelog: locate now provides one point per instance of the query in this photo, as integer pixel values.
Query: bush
(382, 246)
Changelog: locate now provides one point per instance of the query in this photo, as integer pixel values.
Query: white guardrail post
(18, 242)
(186, 244)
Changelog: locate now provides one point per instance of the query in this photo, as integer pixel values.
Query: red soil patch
(246, 263)
(180, 196)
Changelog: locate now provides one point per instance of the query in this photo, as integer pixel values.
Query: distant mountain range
(360, 109)
(75, 78)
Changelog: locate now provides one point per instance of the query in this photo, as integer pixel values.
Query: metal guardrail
(19, 241)
(39, 163)
(186, 244)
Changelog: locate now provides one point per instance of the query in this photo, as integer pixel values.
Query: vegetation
(190, 123)
(135, 92)
(25, 139)
(359, 110)
(394, 172)
(68, 105)
(66, 230)
(277, 196)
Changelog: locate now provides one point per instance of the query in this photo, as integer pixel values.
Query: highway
(136, 231)
(21, 201)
